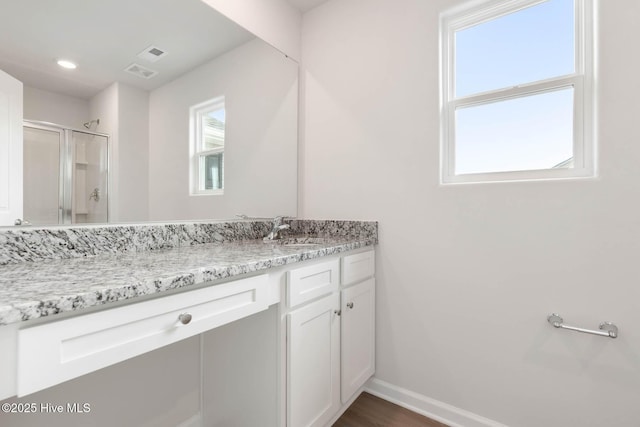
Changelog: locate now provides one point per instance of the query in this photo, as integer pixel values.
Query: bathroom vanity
(64, 314)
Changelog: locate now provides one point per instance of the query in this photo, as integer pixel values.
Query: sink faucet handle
(274, 234)
(278, 223)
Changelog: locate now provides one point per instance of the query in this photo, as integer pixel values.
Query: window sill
(519, 176)
(208, 193)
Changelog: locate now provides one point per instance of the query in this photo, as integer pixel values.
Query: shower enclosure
(66, 172)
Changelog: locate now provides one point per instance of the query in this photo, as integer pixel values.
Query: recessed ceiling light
(67, 64)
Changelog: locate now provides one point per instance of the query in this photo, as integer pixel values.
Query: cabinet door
(313, 392)
(358, 337)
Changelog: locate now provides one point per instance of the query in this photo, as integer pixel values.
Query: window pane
(212, 166)
(529, 133)
(213, 129)
(532, 44)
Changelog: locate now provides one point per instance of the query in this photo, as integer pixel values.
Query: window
(207, 121)
(517, 91)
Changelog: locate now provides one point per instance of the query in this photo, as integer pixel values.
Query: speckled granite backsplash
(37, 244)
(358, 229)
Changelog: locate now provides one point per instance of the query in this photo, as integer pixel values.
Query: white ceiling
(104, 36)
(305, 5)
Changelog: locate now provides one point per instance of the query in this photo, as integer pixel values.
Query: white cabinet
(307, 283)
(319, 332)
(357, 337)
(357, 267)
(330, 339)
(54, 352)
(313, 385)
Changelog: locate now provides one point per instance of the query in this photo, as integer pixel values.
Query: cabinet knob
(350, 304)
(338, 312)
(184, 318)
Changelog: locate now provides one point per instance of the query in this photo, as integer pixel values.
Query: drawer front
(358, 267)
(55, 352)
(307, 283)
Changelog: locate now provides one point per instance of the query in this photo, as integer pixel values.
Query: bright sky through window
(218, 114)
(532, 44)
(529, 133)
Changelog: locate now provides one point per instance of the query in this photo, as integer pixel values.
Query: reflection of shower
(66, 174)
(88, 124)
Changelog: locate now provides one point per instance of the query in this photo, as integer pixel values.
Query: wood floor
(371, 411)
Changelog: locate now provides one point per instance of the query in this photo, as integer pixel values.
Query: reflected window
(207, 136)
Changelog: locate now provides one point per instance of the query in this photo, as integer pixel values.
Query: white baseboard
(434, 409)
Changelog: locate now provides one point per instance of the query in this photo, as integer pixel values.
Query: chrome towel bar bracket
(607, 329)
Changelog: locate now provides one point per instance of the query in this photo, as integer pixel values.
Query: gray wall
(467, 274)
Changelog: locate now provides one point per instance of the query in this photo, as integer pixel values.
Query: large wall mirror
(173, 112)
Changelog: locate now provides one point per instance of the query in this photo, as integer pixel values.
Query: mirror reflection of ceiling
(103, 37)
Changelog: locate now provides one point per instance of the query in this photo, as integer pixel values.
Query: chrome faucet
(278, 226)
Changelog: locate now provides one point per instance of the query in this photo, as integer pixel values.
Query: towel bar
(607, 329)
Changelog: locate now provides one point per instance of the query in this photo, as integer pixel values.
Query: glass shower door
(42, 179)
(89, 177)
(65, 175)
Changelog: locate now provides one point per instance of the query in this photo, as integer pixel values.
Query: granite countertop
(32, 290)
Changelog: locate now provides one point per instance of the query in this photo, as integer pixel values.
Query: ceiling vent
(140, 71)
(152, 54)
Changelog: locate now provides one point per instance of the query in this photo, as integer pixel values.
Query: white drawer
(51, 353)
(307, 283)
(358, 267)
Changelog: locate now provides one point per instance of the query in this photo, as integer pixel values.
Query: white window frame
(196, 174)
(582, 80)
